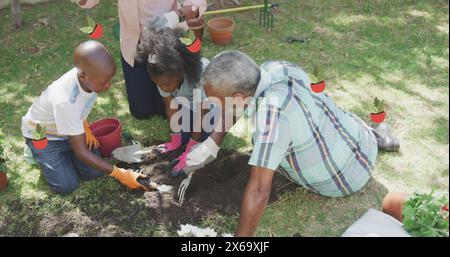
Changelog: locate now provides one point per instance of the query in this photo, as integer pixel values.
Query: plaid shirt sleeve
(271, 137)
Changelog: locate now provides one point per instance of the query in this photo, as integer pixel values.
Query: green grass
(396, 50)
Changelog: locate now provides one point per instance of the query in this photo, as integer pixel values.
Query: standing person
(144, 99)
(299, 133)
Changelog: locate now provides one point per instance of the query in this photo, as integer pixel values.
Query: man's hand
(254, 200)
(127, 178)
(91, 141)
(201, 155)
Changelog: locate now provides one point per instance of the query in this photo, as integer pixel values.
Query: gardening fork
(183, 187)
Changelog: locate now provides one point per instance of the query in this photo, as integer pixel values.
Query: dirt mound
(216, 188)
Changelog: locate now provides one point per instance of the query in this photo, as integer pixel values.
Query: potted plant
(197, 26)
(426, 215)
(379, 115)
(319, 85)
(3, 177)
(95, 30)
(40, 140)
(192, 45)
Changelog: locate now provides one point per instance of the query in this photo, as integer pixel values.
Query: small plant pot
(378, 117)
(221, 30)
(3, 180)
(97, 32)
(109, 134)
(40, 144)
(318, 87)
(198, 27)
(196, 46)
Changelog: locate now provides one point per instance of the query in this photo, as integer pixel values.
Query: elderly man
(299, 133)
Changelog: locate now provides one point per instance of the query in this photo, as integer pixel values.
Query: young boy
(62, 110)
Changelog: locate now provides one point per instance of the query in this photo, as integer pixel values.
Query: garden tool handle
(244, 8)
(148, 183)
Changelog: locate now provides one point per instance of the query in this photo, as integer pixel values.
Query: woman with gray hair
(299, 133)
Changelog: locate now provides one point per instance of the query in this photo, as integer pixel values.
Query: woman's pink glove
(180, 162)
(174, 144)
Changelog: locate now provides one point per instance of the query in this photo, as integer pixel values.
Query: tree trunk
(16, 14)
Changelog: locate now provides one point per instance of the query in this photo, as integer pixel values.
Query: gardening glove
(128, 178)
(180, 163)
(201, 155)
(131, 153)
(91, 141)
(167, 20)
(174, 144)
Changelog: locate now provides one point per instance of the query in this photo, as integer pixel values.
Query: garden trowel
(132, 153)
(151, 185)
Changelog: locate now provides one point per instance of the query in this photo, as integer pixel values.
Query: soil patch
(216, 188)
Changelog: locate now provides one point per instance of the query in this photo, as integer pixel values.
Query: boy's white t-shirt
(61, 109)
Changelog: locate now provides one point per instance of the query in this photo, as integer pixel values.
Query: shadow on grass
(303, 213)
(439, 132)
(105, 208)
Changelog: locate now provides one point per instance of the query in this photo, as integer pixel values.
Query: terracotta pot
(41, 143)
(198, 27)
(196, 46)
(393, 204)
(378, 117)
(97, 32)
(109, 134)
(3, 181)
(221, 30)
(318, 87)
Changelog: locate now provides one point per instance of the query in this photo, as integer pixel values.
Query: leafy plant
(39, 133)
(379, 105)
(316, 75)
(426, 215)
(186, 41)
(316, 72)
(90, 26)
(188, 37)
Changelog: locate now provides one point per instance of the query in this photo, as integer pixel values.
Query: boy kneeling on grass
(62, 110)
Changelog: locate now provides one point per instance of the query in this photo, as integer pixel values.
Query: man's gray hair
(234, 70)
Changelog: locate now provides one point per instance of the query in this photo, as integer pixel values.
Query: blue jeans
(60, 167)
